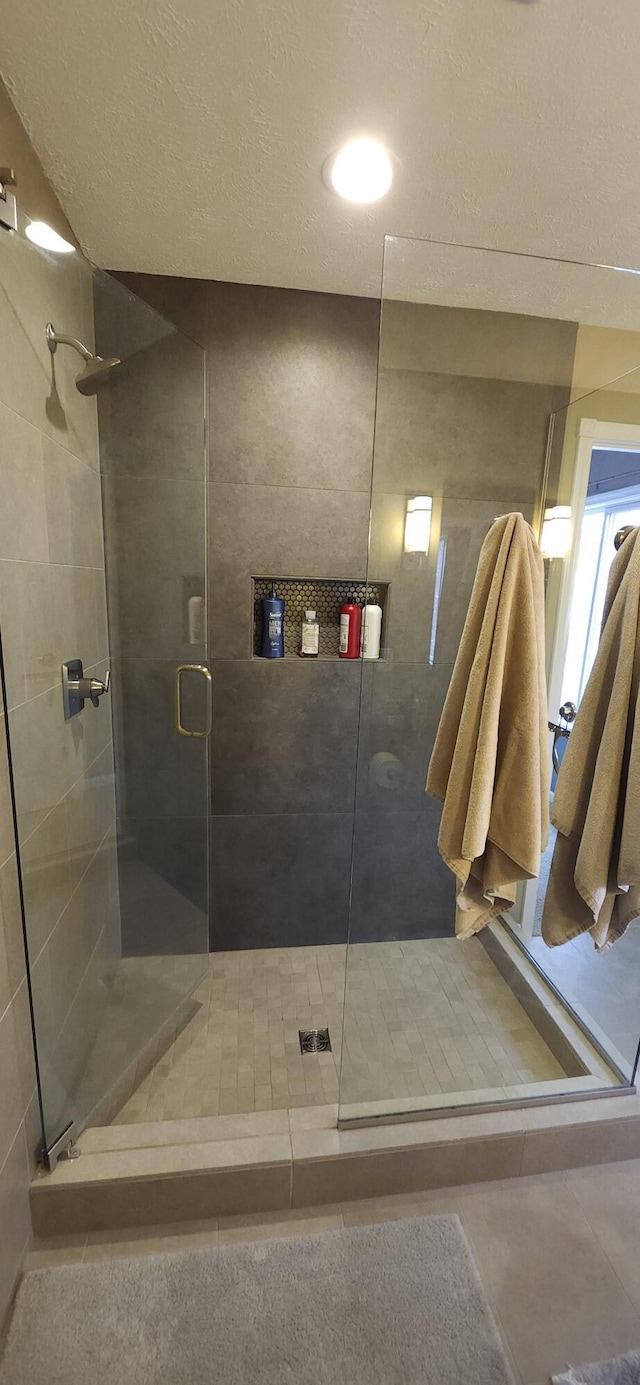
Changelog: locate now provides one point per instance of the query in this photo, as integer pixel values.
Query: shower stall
(232, 895)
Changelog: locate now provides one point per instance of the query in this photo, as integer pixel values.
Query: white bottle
(371, 631)
(310, 643)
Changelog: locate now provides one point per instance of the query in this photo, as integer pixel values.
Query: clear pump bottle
(310, 638)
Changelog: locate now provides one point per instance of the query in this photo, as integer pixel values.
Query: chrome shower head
(95, 367)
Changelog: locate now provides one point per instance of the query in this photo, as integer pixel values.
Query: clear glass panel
(480, 355)
(104, 983)
(599, 478)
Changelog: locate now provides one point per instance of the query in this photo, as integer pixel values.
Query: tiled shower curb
(281, 1159)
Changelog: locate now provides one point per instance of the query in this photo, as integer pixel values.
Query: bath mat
(399, 1303)
(620, 1370)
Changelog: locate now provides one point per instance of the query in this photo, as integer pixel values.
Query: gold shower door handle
(193, 668)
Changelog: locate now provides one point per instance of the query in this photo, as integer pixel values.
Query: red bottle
(350, 623)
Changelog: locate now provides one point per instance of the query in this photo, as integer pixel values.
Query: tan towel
(594, 882)
(490, 762)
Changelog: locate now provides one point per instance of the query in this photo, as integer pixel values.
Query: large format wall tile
(160, 773)
(276, 531)
(51, 615)
(154, 536)
(400, 711)
(429, 596)
(292, 380)
(284, 736)
(152, 447)
(36, 289)
(51, 754)
(44, 753)
(11, 635)
(434, 338)
(74, 518)
(280, 881)
(7, 834)
(46, 877)
(77, 932)
(151, 418)
(164, 899)
(23, 516)
(12, 953)
(461, 436)
(401, 887)
(90, 812)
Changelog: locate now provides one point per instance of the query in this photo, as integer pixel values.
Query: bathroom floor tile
(55, 1250)
(151, 1240)
(554, 1291)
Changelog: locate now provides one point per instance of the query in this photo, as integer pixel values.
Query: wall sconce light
(44, 235)
(556, 532)
(417, 524)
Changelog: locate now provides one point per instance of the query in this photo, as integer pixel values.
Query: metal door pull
(192, 668)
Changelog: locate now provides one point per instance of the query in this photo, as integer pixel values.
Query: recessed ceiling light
(361, 172)
(44, 235)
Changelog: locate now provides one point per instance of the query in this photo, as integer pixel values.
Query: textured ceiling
(187, 136)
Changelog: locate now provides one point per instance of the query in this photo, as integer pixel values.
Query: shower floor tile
(422, 1018)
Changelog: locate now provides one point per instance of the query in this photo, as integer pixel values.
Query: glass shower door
(478, 350)
(110, 802)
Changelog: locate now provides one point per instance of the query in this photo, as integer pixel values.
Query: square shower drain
(314, 1041)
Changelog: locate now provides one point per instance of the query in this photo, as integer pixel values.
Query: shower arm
(56, 339)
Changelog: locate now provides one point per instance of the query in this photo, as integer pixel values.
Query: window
(603, 516)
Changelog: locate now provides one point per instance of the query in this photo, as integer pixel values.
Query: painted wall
(36, 198)
(52, 606)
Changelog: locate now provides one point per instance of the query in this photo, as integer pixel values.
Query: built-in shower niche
(326, 596)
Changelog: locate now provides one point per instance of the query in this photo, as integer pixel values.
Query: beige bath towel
(594, 882)
(490, 762)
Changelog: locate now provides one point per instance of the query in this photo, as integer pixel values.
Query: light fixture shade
(417, 524)
(44, 235)
(556, 532)
(361, 171)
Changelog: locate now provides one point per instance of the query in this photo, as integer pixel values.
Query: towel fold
(594, 881)
(490, 761)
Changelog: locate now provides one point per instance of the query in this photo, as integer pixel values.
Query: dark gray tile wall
(151, 424)
(291, 402)
(473, 438)
(284, 736)
(292, 380)
(401, 888)
(163, 864)
(280, 880)
(290, 531)
(291, 385)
